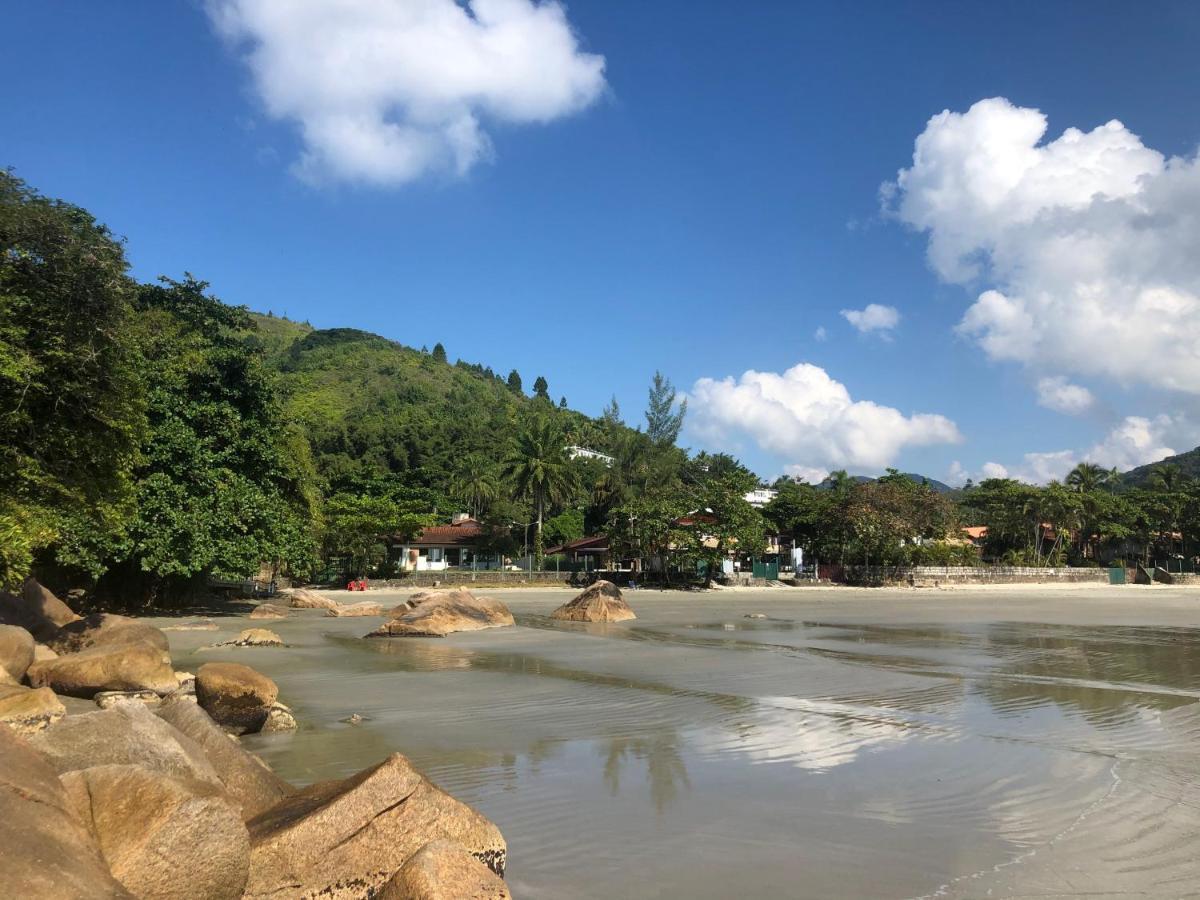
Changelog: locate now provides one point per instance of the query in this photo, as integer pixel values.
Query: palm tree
(474, 482)
(1087, 477)
(1168, 478)
(540, 469)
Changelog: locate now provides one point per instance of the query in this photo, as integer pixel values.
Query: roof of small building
(463, 532)
(594, 544)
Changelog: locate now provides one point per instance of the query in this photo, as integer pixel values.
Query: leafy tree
(216, 493)
(540, 469)
(439, 352)
(514, 382)
(663, 418)
(722, 523)
(71, 412)
(566, 526)
(541, 388)
(357, 525)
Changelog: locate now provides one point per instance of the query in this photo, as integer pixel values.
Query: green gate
(768, 570)
(1116, 575)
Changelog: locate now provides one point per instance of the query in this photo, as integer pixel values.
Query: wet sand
(1025, 741)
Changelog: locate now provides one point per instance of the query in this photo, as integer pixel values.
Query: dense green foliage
(143, 445)
(71, 414)
(223, 486)
(893, 520)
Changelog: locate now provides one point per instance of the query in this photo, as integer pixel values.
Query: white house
(441, 547)
(577, 452)
(760, 497)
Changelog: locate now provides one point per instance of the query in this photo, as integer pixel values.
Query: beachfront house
(458, 545)
(592, 553)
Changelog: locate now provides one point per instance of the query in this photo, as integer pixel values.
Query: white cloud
(956, 475)
(1060, 395)
(1136, 441)
(810, 474)
(994, 470)
(809, 419)
(385, 91)
(1085, 245)
(821, 334)
(873, 318)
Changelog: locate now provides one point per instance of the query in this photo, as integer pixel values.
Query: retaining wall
(428, 579)
(930, 575)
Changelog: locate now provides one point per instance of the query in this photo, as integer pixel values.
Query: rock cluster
(601, 602)
(150, 797)
(439, 613)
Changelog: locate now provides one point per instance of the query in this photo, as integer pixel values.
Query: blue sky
(702, 200)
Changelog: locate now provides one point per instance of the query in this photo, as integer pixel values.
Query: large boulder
(125, 734)
(246, 778)
(16, 652)
(47, 853)
(254, 637)
(27, 710)
(36, 610)
(163, 837)
(122, 667)
(444, 870)
(601, 602)
(268, 611)
(362, 608)
(303, 598)
(238, 698)
(106, 630)
(440, 613)
(346, 839)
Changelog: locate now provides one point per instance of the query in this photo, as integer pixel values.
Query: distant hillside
(1188, 463)
(371, 406)
(938, 486)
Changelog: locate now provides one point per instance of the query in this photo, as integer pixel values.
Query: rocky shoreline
(150, 794)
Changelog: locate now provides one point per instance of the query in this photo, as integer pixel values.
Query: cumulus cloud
(873, 318)
(806, 417)
(956, 475)
(1085, 245)
(384, 91)
(1060, 395)
(1135, 441)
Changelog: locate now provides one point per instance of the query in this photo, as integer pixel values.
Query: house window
(435, 554)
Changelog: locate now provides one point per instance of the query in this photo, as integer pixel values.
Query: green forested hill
(372, 407)
(1188, 465)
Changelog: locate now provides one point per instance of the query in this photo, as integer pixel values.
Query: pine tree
(612, 413)
(514, 382)
(541, 388)
(662, 420)
(439, 352)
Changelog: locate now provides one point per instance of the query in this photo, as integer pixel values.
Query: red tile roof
(465, 532)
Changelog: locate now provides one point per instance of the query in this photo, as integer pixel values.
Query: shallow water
(857, 744)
